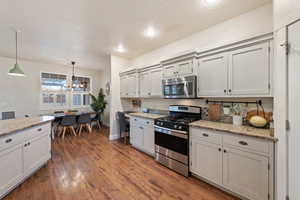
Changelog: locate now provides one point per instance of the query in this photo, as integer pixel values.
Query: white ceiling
(87, 31)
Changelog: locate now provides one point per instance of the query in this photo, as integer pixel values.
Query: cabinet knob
(229, 90)
(205, 135)
(225, 151)
(220, 149)
(40, 129)
(8, 140)
(225, 90)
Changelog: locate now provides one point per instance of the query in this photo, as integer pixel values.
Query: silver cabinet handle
(8, 140)
(243, 143)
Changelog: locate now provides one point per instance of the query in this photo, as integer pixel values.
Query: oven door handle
(181, 134)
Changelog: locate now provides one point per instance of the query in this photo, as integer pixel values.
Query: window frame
(54, 106)
(81, 93)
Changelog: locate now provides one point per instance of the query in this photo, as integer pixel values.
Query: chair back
(84, 119)
(123, 123)
(68, 120)
(8, 115)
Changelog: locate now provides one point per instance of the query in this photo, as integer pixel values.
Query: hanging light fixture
(74, 81)
(16, 70)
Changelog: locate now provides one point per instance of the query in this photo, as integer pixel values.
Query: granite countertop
(19, 124)
(146, 115)
(241, 130)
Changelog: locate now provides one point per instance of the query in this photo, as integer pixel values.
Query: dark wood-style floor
(91, 167)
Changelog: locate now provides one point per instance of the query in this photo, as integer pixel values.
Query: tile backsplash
(163, 104)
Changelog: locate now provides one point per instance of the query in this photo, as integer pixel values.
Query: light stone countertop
(146, 115)
(241, 130)
(13, 125)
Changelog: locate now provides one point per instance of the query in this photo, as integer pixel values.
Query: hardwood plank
(90, 167)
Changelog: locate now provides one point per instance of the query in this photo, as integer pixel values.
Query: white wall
(251, 24)
(118, 64)
(22, 94)
(285, 12)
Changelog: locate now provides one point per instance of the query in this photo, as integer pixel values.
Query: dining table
(60, 115)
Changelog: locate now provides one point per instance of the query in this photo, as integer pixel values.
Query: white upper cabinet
(151, 82)
(170, 70)
(250, 70)
(183, 65)
(244, 72)
(212, 75)
(185, 68)
(145, 84)
(156, 82)
(123, 86)
(129, 84)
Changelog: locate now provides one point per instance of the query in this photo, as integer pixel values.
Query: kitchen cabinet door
(213, 75)
(250, 71)
(11, 168)
(156, 82)
(133, 130)
(145, 84)
(246, 173)
(36, 152)
(149, 136)
(170, 71)
(132, 85)
(124, 86)
(206, 160)
(185, 68)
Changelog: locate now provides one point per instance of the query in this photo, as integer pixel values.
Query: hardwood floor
(90, 167)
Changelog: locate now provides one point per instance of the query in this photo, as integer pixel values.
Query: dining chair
(123, 125)
(84, 120)
(67, 123)
(8, 115)
(97, 119)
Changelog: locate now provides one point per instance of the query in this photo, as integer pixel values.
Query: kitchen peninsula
(25, 146)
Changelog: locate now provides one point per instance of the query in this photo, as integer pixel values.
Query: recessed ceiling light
(210, 3)
(150, 32)
(120, 49)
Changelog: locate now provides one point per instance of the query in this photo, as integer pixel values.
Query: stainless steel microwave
(180, 88)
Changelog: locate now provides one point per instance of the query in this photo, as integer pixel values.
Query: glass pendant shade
(16, 71)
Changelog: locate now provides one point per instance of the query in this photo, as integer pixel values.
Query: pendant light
(74, 81)
(16, 70)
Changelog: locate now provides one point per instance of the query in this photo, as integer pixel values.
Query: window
(81, 90)
(53, 90)
(55, 93)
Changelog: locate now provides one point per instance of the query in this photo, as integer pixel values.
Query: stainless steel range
(172, 137)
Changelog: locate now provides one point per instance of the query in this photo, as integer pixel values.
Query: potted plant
(98, 105)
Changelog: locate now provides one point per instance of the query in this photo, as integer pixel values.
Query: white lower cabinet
(19, 158)
(36, 152)
(206, 161)
(246, 173)
(11, 168)
(142, 134)
(239, 164)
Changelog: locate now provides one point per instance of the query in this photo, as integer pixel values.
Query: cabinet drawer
(12, 139)
(247, 143)
(38, 130)
(207, 135)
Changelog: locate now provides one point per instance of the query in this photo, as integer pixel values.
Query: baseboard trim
(114, 137)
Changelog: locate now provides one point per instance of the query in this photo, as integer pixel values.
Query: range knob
(179, 127)
(175, 126)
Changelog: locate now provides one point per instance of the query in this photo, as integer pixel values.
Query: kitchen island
(25, 146)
